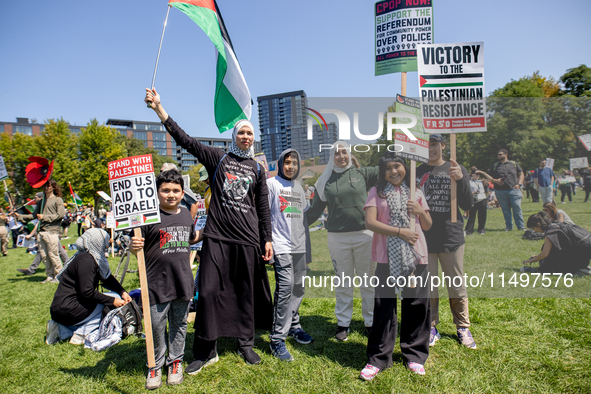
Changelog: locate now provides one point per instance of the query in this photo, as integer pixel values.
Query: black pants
(79, 228)
(204, 350)
(535, 195)
(416, 321)
(587, 192)
(566, 190)
(480, 208)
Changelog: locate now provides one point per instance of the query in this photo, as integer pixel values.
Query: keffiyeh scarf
(402, 257)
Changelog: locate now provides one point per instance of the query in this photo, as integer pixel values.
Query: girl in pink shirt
(402, 258)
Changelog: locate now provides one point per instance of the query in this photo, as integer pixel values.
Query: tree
(98, 146)
(196, 186)
(312, 180)
(577, 81)
(56, 142)
(16, 151)
(135, 147)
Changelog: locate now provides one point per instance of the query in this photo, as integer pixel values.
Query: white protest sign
(578, 162)
(586, 141)
(201, 207)
(199, 225)
(104, 195)
(550, 163)
(111, 220)
(3, 172)
(400, 26)
(413, 150)
(21, 241)
(133, 191)
(451, 85)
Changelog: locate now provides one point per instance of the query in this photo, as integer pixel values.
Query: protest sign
(3, 172)
(451, 80)
(578, 162)
(110, 220)
(550, 163)
(133, 191)
(261, 158)
(586, 141)
(135, 203)
(201, 207)
(400, 26)
(104, 195)
(413, 150)
(21, 241)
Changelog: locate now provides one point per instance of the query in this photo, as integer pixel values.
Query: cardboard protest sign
(586, 141)
(133, 191)
(201, 207)
(451, 80)
(400, 26)
(3, 172)
(413, 150)
(578, 162)
(550, 163)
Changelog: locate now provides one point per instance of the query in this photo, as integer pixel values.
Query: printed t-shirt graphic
(236, 185)
(437, 191)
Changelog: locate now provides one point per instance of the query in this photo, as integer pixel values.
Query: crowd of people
(377, 225)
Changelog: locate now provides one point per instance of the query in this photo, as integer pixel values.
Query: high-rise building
(283, 124)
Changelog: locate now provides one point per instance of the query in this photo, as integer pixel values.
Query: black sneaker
(342, 333)
(301, 336)
(249, 356)
(196, 366)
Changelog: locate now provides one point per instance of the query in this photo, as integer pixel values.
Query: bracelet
(398, 232)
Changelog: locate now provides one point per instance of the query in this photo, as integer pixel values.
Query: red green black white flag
(232, 97)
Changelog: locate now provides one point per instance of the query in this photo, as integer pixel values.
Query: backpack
(497, 164)
(131, 318)
(580, 239)
(531, 235)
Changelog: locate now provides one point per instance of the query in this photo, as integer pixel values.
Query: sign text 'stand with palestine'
(133, 192)
(451, 85)
(400, 26)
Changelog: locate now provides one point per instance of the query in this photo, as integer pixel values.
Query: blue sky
(82, 60)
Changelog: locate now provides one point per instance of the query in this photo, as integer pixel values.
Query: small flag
(232, 98)
(75, 198)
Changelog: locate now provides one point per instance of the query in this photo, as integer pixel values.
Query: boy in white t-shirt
(288, 203)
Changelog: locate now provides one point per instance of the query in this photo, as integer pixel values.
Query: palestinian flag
(232, 98)
(75, 198)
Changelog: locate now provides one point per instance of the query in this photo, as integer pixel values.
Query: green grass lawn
(529, 340)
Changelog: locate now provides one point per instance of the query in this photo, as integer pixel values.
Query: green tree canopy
(98, 146)
(577, 81)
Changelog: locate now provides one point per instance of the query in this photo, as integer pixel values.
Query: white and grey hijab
(95, 242)
(246, 154)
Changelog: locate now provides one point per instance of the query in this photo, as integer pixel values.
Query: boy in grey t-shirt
(288, 203)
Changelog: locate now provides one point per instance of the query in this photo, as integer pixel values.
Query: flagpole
(9, 196)
(413, 163)
(159, 48)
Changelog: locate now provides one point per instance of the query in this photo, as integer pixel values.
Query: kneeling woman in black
(77, 304)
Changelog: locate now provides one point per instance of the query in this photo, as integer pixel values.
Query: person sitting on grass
(399, 252)
(288, 203)
(557, 215)
(170, 280)
(559, 254)
(77, 304)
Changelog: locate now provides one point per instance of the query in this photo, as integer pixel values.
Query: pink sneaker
(417, 368)
(369, 372)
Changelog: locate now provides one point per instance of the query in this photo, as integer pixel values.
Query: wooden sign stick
(141, 263)
(113, 245)
(454, 194)
(413, 164)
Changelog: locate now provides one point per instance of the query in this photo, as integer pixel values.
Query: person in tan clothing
(50, 213)
(3, 232)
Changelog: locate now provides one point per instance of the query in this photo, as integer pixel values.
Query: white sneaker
(77, 339)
